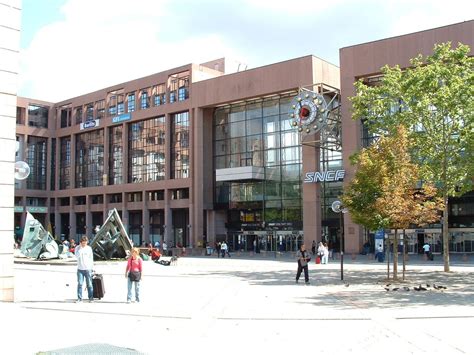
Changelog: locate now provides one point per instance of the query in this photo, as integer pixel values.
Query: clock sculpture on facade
(309, 111)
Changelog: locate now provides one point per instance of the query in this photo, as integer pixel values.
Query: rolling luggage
(98, 286)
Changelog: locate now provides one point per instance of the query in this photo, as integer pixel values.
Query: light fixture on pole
(22, 169)
(339, 208)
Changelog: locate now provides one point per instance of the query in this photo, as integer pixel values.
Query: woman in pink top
(134, 274)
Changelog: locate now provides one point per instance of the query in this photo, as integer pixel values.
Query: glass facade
(65, 163)
(180, 145)
(37, 160)
(259, 134)
(38, 116)
(89, 158)
(115, 155)
(147, 147)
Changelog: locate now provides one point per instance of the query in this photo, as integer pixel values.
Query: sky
(73, 47)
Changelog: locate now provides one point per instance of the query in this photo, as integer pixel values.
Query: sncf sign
(324, 176)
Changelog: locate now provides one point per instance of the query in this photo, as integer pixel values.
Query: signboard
(89, 124)
(325, 176)
(121, 118)
(36, 209)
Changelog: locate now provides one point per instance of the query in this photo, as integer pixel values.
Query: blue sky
(72, 47)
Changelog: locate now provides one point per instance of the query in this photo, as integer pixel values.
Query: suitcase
(318, 260)
(98, 286)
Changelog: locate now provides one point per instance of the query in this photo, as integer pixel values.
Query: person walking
(303, 258)
(427, 250)
(133, 273)
(313, 247)
(85, 265)
(225, 249)
(325, 257)
(165, 248)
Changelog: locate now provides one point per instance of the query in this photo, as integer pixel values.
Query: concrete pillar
(9, 67)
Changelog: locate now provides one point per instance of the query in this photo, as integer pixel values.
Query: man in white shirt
(426, 249)
(85, 265)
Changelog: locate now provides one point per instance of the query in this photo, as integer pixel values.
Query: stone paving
(243, 304)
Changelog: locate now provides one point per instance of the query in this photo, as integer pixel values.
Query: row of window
(145, 142)
(118, 101)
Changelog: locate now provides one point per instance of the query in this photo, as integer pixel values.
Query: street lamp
(339, 208)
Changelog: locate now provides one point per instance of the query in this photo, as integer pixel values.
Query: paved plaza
(244, 304)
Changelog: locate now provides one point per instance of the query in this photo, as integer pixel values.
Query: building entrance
(258, 241)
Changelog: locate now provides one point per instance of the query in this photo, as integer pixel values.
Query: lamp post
(339, 208)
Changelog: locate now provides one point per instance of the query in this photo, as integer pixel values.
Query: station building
(196, 154)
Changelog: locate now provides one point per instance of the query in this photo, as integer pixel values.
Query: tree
(434, 99)
(384, 191)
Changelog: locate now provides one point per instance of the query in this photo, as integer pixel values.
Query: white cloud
(421, 15)
(99, 45)
(106, 42)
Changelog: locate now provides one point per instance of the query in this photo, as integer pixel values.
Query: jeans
(324, 259)
(81, 275)
(137, 290)
(302, 268)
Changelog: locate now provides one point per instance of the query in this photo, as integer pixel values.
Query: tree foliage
(385, 192)
(433, 99)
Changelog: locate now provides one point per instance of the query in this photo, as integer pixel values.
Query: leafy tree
(384, 191)
(434, 99)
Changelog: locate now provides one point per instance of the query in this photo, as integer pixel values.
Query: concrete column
(168, 237)
(9, 66)
(72, 219)
(89, 227)
(311, 196)
(145, 219)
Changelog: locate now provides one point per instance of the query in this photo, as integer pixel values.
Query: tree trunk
(445, 234)
(404, 254)
(395, 255)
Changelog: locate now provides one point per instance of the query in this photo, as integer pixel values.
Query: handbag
(134, 275)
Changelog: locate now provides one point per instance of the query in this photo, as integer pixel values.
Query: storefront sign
(325, 176)
(89, 124)
(121, 118)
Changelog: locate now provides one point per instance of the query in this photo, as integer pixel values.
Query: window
(179, 86)
(37, 160)
(183, 88)
(38, 116)
(65, 113)
(90, 158)
(159, 94)
(115, 198)
(158, 195)
(65, 163)
(115, 102)
(144, 99)
(78, 114)
(131, 102)
(115, 155)
(89, 111)
(180, 146)
(179, 194)
(100, 107)
(146, 151)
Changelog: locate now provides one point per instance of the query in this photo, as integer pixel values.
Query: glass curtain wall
(65, 163)
(259, 134)
(115, 155)
(36, 159)
(180, 145)
(90, 158)
(147, 149)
